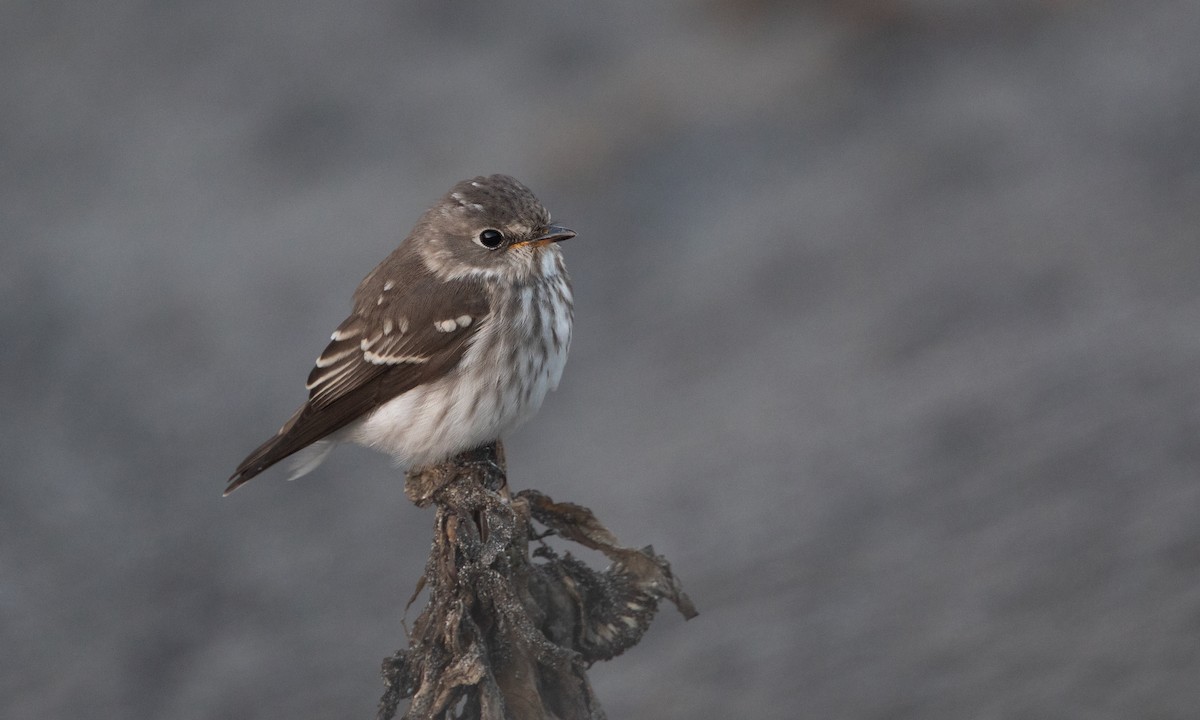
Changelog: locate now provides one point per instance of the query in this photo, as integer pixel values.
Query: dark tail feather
(255, 463)
(283, 444)
(304, 428)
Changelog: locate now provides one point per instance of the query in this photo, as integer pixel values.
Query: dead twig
(505, 637)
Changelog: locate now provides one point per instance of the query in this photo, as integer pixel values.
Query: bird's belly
(491, 392)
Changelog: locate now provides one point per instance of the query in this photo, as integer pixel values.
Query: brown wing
(398, 337)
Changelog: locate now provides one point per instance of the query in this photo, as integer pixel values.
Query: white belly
(484, 398)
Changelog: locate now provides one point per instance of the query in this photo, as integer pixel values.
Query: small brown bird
(454, 340)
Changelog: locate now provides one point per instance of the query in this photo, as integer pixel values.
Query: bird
(454, 339)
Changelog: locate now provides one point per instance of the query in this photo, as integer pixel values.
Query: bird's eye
(490, 239)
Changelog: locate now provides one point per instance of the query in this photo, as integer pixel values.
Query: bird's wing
(397, 338)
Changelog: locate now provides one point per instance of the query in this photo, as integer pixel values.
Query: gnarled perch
(503, 637)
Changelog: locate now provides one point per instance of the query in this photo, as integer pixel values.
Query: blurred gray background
(888, 328)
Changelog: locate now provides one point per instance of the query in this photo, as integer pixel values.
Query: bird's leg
(483, 465)
(487, 462)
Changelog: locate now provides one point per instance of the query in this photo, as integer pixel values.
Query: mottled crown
(497, 200)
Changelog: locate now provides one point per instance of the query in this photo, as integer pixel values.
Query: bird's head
(490, 227)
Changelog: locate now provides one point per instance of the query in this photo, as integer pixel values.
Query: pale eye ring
(490, 239)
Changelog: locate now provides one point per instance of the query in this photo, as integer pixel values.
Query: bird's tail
(283, 444)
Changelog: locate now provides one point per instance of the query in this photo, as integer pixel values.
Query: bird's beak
(553, 234)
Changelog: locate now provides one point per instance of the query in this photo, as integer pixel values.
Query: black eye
(490, 239)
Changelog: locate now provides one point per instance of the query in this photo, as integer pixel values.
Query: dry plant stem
(502, 636)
